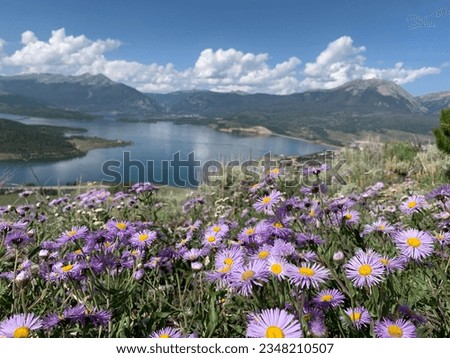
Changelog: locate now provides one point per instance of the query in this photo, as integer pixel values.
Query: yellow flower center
(71, 233)
(247, 275)
(67, 268)
(413, 241)
(263, 255)
(440, 237)
(275, 171)
(326, 298)
(311, 213)
(107, 244)
(355, 316)
(278, 225)
(306, 271)
(121, 226)
(365, 270)
(395, 331)
(381, 227)
(348, 216)
(228, 261)
(225, 269)
(211, 238)
(274, 332)
(21, 332)
(276, 269)
(143, 237)
(385, 262)
(266, 200)
(250, 231)
(412, 204)
(216, 228)
(165, 335)
(134, 252)
(78, 252)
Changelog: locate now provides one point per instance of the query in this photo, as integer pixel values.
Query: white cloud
(220, 70)
(341, 62)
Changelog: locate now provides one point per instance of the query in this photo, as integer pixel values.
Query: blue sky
(281, 46)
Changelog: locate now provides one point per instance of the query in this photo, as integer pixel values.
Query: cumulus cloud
(341, 62)
(218, 70)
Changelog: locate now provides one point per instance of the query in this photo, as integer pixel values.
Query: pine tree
(442, 134)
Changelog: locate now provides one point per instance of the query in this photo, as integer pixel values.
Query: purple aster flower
(440, 193)
(338, 256)
(64, 272)
(51, 321)
(219, 230)
(244, 278)
(20, 325)
(146, 187)
(414, 244)
(283, 248)
(358, 316)
(307, 275)
(308, 256)
(349, 217)
(18, 238)
(211, 239)
(266, 203)
(399, 328)
(317, 327)
(76, 314)
(413, 203)
(167, 332)
(229, 257)
(72, 235)
(305, 238)
(329, 298)
(393, 263)
(143, 239)
(274, 323)
(277, 267)
(443, 238)
(99, 317)
(365, 269)
(381, 226)
(263, 253)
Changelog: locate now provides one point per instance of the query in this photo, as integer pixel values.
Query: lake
(148, 158)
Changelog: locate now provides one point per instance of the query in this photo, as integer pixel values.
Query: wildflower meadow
(257, 260)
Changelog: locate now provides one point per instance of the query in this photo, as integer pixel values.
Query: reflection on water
(155, 142)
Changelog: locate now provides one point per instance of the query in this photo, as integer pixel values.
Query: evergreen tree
(442, 134)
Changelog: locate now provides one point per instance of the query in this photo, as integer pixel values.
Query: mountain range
(357, 106)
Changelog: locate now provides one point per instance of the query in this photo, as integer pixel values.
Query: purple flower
(266, 203)
(18, 238)
(20, 325)
(277, 267)
(244, 278)
(414, 244)
(365, 269)
(143, 239)
(307, 275)
(440, 193)
(399, 328)
(167, 332)
(381, 226)
(443, 238)
(413, 203)
(76, 314)
(273, 323)
(329, 298)
(358, 316)
(72, 235)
